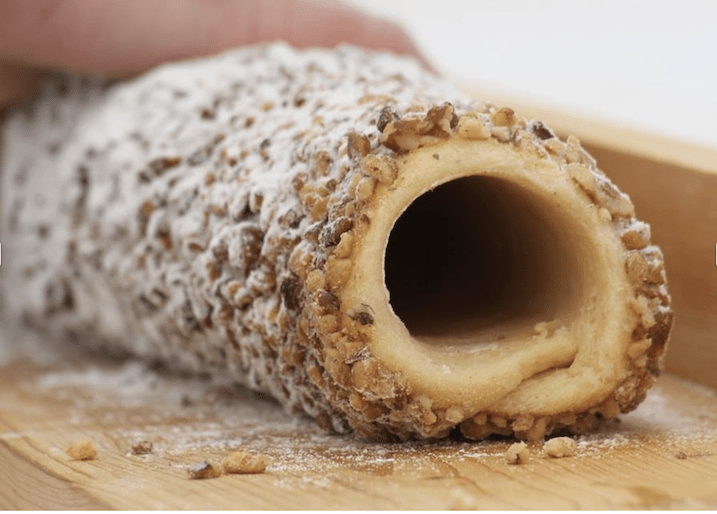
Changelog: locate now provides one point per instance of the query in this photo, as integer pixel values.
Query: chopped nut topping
(386, 116)
(542, 131)
(504, 117)
(290, 292)
(470, 127)
(331, 235)
(381, 167)
(358, 145)
(328, 300)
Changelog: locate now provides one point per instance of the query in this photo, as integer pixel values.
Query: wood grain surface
(664, 455)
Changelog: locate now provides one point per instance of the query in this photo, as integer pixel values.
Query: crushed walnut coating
(208, 214)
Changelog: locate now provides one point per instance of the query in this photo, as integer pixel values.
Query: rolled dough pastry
(342, 230)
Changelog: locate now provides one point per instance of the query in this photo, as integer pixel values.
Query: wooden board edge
(603, 132)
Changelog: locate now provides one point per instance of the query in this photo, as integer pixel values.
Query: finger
(124, 37)
(17, 83)
(326, 23)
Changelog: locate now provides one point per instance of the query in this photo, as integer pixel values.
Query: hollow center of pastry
(480, 259)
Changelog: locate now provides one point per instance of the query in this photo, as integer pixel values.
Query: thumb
(124, 37)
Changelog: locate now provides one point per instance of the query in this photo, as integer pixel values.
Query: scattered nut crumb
(141, 448)
(681, 455)
(244, 463)
(202, 470)
(82, 450)
(518, 453)
(560, 447)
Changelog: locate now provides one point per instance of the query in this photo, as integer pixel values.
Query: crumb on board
(204, 469)
(518, 453)
(560, 447)
(82, 450)
(141, 448)
(244, 463)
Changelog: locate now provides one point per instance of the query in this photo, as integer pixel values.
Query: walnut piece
(204, 469)
(82, 450)
(240, 462)
(560, 447)
(141, 448)
(518, 453)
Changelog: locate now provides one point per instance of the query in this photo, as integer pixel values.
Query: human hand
(121, 38)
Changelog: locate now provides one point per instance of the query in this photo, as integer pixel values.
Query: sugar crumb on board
(82, 450)
(240, 462)
(204, 469)
(558, 447)
(518, 453)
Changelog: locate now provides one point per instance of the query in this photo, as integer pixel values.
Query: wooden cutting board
(664, 455)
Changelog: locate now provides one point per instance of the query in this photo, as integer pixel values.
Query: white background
(649, 65)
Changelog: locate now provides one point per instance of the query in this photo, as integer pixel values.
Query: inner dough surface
(488, 285)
